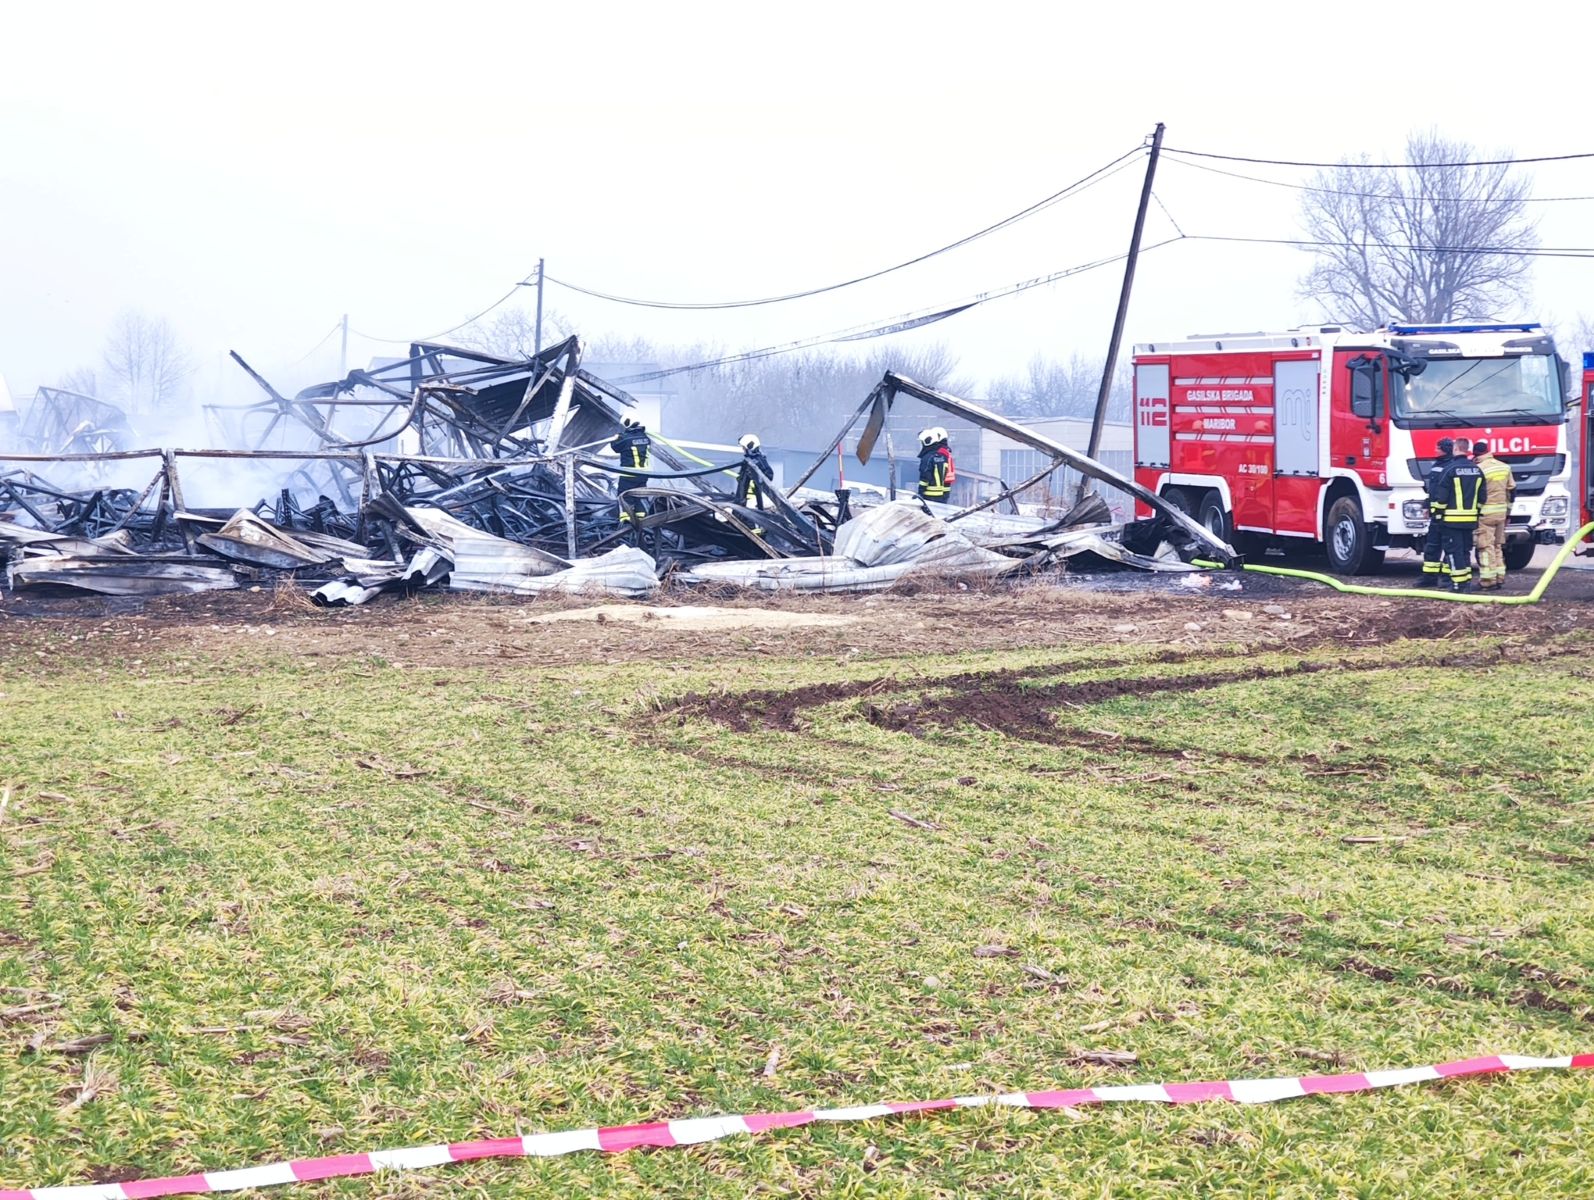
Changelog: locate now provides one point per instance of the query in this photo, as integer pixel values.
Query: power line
(1361, 166)
(432, 337)
(1167, 214)
(1306, 187)
(897, 324)
(1538, 252)
(1097, 176)
(336, 325)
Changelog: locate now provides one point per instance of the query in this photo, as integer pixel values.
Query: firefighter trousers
(1433, 549)
(1458, 553)
(638, 505)
(1491, 551)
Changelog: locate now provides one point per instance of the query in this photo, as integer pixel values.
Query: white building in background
(1007, 461)
(652, 396)
(8, 414)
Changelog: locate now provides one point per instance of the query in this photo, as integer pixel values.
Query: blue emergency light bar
(1588, 360)
(1407, 330)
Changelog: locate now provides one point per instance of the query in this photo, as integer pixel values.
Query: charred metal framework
(503, 452)
(59, 421)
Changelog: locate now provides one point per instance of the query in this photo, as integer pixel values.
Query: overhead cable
(1367, 166)
(1538, 252)
(1097, 176)
(432, 337)
(336, 325)
(1306, 187)
(897, 324)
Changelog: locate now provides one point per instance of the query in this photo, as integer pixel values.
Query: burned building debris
(455, 468)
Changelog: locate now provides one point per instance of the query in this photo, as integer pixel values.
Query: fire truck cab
(1326, 434)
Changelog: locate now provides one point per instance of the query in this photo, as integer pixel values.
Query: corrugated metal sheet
(625, 571)
(902, 532)
(874, 550)
(123, 575)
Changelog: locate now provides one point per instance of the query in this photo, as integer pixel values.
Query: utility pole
(343, 353)
(1123, 305)
(537, 335)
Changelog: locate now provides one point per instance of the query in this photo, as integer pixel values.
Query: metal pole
(537, 336)
(570, 506)
(1123, 307)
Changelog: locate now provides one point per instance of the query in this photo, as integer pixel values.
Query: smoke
(231, 418)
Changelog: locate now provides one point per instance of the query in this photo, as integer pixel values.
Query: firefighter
(1433, 541)
(756, 473)
(1461, 492)
(634, 448)
(1498, 487)
(936, 471)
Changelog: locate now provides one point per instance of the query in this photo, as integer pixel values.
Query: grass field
(320, 906)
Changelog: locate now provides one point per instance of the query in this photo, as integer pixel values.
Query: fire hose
(1532, 597)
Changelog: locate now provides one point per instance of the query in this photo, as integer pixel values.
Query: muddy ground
(467, 630)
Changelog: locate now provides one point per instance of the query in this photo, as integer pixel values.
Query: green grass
(305, 857)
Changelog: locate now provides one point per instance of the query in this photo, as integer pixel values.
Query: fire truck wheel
(1518, 555)
(1348, 541)
(1177, 498)
(1215, 517)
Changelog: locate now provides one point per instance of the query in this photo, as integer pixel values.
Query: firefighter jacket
(1433, 484)
(1498, 485)
(1460, 488)
(936, 471)
(633, 447)
(756, 475)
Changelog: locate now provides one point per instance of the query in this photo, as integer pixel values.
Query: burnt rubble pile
(454, 468)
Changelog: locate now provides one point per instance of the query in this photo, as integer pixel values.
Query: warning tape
(693, 1131)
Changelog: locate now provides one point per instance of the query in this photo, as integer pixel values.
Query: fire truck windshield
(1478, 391)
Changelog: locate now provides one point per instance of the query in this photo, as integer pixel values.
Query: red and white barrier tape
(709, 1129)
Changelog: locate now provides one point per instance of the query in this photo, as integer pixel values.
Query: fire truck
(1324, 435)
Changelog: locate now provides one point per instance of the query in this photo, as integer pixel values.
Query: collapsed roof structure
(454, 466)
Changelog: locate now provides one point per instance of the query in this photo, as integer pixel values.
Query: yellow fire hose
(1532, 597)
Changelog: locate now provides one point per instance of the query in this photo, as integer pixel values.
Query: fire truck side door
(1358, 436)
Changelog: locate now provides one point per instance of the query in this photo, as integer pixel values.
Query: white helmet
(629, 422)
(927, 437)
(749, 442)
(940, 433)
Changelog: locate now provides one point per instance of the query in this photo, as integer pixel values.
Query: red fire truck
(1325, 434)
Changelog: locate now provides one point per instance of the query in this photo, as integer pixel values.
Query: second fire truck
(1325, 435)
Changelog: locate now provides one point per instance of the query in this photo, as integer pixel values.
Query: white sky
(251, 172)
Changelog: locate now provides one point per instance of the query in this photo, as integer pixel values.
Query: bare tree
(512, 333)
(1058, 388)
(82, 380)
(146, 362)
(1573, 336)
(1441, 241)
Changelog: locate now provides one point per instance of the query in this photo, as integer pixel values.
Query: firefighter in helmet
(634, 448)
(756, 474)
(1433, 542)
(1498, 487)
(1460, 494)
(936, 470)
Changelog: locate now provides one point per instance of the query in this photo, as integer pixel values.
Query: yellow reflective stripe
(1489, 510)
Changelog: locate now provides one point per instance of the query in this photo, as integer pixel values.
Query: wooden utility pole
(1123, 305)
